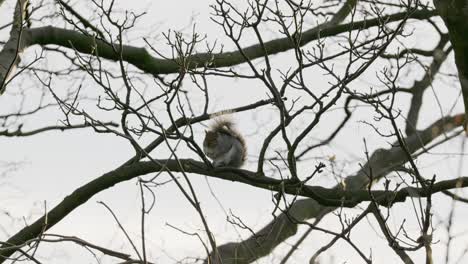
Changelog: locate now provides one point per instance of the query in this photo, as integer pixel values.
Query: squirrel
(224, 144)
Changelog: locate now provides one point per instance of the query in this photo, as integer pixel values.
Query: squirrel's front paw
(218, 163)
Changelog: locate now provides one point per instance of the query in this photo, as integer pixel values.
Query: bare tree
(324, 67)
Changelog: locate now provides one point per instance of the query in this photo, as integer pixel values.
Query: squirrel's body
(224, 145)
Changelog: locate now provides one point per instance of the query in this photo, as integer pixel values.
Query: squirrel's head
(210, 139)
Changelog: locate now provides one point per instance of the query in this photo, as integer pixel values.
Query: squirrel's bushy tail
(222, 123)
(225, 124)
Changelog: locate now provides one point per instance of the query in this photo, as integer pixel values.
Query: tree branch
(140, 58)
(10, 54)
(19, 133)
(455, 15)
(382, 162)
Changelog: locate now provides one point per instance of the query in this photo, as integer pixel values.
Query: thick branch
(455, 15)
(327, 197)
(382, 162)
(141, 59)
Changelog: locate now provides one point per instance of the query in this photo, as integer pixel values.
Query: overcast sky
(53, 164)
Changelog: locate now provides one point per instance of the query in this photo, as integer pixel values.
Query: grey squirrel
(224, 144)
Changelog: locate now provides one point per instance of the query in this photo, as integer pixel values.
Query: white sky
(55, 164)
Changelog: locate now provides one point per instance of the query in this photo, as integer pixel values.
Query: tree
(354, 72)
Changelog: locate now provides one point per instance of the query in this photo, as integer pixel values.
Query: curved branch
(327, 196)
(382, 162)
(140, 58)
(455, 16)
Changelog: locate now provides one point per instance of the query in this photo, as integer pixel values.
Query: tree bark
(455, 16)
